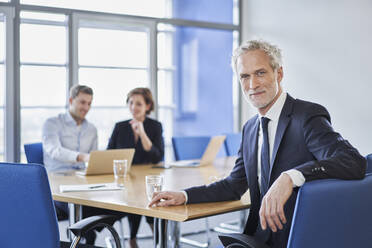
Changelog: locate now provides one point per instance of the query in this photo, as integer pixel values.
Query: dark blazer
(306, 141)
(123, 137)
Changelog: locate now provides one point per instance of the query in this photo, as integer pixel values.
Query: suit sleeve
(335, 157)
(156, 152)
(229, 189)
(112, 140)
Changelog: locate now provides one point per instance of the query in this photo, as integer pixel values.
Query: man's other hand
(82, 157)
(169, 198)
(272, 206)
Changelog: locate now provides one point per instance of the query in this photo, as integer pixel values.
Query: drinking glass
(154, 183)
(120, 171)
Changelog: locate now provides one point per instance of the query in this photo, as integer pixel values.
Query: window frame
(10, 128)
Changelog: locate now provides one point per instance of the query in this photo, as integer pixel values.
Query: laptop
(208, 157)
(101, 162)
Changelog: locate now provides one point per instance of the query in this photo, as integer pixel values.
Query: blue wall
(203, 87)
(204, 10)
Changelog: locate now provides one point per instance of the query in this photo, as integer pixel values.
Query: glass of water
(154, 183)
(120, 168)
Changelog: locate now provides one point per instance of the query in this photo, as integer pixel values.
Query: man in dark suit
(288, 142)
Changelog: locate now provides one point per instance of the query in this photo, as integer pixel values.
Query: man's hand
(82, 157)
(170, 198)
(272, 206)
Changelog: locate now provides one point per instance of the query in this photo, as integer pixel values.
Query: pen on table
(97, 186)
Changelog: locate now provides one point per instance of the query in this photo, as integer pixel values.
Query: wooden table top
(133, 198)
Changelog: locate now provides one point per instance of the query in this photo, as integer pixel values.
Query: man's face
(80, 105)
(259, 82)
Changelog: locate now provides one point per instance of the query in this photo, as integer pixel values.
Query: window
(43, 72)
(106, 48)
(222, 11)
(205, 86)
(113, 58)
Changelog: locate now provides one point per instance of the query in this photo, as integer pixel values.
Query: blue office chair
(232, 143)
(34, 153)
(369, 164)
(192, 147)
(189, 147)
(27, 211)
(328, 213)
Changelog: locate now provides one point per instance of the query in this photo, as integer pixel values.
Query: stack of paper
(89, 187)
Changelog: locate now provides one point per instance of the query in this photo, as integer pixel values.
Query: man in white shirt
(69, 138)
(67, 141)
(288, 142)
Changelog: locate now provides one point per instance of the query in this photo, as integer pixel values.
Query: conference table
(132, 198)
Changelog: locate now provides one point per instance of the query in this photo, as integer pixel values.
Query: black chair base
(68, 244)
(237, 240)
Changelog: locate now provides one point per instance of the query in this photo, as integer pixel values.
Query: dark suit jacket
(306, 141)
(123, 137)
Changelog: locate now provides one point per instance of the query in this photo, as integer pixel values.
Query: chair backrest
(27, 212)
(333, 213)
(34, 153)
(369, 163)
(189, 147)
(232, 143)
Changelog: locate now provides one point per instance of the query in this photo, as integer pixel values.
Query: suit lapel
(252, 144)
(284, 119)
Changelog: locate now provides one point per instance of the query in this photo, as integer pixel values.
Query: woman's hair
(146, 93)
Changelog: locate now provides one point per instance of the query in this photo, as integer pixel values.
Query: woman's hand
(139, 130)
(137, 127)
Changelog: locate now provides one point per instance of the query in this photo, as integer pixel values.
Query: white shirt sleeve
(297, 178)
(185, 194)
(95, 141)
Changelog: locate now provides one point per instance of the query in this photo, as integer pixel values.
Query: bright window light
(43, 44)
(103, 47)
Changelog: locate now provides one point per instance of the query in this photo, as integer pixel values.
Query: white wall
(327, 47)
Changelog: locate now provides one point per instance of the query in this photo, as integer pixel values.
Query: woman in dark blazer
(145, 135)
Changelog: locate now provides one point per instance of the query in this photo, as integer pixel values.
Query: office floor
(191, 226)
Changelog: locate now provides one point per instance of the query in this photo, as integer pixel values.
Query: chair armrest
(81, 227)
(240, 240)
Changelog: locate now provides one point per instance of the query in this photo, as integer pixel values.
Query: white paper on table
(89, 187)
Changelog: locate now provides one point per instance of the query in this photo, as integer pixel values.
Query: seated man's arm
(52, 144)
(335, 158)
(228, 189)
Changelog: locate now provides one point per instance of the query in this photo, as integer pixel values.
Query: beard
(268, 97)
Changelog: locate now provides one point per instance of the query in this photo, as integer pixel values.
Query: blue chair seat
(328, 213)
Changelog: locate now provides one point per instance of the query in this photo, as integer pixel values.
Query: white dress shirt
(273, 114)
(63, 140)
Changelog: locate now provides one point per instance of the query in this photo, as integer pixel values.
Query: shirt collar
(69, 119)
(274, 112)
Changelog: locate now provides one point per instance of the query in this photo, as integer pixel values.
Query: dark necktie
(265, 157)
